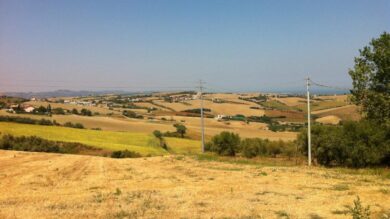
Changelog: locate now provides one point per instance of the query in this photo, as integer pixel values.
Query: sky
(232, 45)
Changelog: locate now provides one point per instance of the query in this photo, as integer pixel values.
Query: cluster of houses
(80, 103)
(182, 98)
(135, 100)
(20, 107)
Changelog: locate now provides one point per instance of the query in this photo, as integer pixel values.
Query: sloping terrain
(349, 112)
(39, 185)
(333, 120)
(143, 143)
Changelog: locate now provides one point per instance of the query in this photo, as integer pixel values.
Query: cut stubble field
(40, 185)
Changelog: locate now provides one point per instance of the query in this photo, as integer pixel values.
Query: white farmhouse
(29, 109)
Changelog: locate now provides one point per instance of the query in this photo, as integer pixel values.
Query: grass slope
(139, 142)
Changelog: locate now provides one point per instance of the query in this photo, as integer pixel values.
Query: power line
(328, 86)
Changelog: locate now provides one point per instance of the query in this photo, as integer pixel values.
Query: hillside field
(123, 124)
(143, 143)
(43, 185)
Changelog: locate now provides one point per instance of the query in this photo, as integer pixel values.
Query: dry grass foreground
(40, 185)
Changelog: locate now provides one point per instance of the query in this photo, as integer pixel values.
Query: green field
(143, 143)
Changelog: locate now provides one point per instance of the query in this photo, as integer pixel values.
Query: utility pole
(308, 122)
(201, 113)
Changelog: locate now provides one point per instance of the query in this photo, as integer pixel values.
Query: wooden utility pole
(308, 122)
(201, 113)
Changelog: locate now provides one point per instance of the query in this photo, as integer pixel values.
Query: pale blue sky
(142, 45)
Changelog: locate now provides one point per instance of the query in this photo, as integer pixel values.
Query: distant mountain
(63, 93)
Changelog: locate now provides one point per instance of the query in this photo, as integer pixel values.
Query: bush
(131, 114)
(238, 117)
(226, 143)
(74, 125)
(358, 211)
(75, 111)
(275, 148)
(252, 147)
(85, 112)
(37, 144)
(159, 136)
(125, 154)
(352, 144)
(45, 122)
(58, 111)
(171, 134)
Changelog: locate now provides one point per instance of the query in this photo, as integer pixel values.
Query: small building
(220, 117)
(10, 110)
(28, 109)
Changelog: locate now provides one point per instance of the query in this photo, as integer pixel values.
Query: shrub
(45, 122)
(171, 134)
(353, 144)
(358, 211)
(58, 110)
(159, 136)
(226, 143)
(275, 148)
(252, 147)
(75, 111)
(85, 112)
(131, 114)
(125, 154)
(74, 125)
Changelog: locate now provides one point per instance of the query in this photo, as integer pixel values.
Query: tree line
(356, 144)
(26, 120)
(37, 144)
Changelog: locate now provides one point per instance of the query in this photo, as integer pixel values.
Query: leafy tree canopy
(371, 79)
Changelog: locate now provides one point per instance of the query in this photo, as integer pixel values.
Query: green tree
(181, 129)
(86, 112)
(129, 114)
(226, 143)
(58, 110)
(74, 111)
(159, 136)
(48, 109)
(40, 110)
(371, 79)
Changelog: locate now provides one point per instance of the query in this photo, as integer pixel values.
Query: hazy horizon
(160, 45)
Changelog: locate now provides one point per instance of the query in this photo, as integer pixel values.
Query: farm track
(40, 185)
